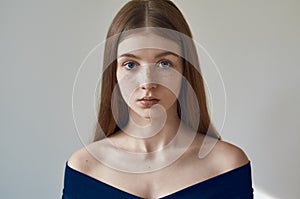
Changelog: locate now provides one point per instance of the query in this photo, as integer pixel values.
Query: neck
(146, 134)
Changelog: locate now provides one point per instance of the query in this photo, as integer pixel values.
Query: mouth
(148, 101)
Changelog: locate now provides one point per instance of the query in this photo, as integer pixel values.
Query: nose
(148, 86)
(148, 81)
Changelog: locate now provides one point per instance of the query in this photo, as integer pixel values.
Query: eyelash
(128, 62)
(165, 60)
(135, 63)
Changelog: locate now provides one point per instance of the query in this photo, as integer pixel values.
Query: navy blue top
(234, 184)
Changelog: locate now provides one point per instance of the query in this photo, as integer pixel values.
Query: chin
(148, 113)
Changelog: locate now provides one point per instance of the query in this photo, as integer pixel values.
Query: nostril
(149, 86)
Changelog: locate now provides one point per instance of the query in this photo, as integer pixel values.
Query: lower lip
(148, 103)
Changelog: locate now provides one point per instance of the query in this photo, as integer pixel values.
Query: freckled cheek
(127, 86)
(172, 83)
(129, 83)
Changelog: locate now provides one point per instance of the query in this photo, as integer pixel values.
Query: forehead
(145, 40)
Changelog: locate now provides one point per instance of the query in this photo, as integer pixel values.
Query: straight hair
(158, 14)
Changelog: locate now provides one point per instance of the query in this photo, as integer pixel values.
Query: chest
(154, 184)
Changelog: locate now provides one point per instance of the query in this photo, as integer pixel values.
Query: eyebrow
(157, 56)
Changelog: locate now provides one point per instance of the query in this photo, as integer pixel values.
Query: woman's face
(149, 72)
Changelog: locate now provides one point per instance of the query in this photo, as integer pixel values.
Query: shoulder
(82, 160)
(221, 156)
(226, 156)
(78, 160)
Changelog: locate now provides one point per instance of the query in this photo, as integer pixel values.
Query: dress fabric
(234, 184)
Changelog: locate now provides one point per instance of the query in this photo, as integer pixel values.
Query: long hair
(161, 14)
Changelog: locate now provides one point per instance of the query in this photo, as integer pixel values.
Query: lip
(147, 98)
(148, 101)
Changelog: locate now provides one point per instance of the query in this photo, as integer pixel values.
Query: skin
(154, 73)
(145, 68)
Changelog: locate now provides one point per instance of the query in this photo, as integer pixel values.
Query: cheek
(172, 83)
(127, 86)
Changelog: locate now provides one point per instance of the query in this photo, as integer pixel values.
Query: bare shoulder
(79, 160)
(82, 160)
(227, 156)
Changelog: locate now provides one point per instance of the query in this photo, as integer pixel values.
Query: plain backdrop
(42, 44)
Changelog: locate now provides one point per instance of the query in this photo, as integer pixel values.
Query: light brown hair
(161, 14)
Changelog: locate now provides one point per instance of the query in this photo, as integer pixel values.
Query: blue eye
(164, 64)
(129, 65)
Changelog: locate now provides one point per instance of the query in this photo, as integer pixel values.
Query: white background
(42, 43)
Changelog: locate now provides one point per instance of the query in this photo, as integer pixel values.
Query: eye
(129, 65)
(164, 64)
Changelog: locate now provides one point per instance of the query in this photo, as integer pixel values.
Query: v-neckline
(162, 197)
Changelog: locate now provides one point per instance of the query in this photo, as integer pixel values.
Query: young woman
(154, 138)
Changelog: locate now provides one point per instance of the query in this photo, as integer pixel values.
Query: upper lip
(148, 98)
